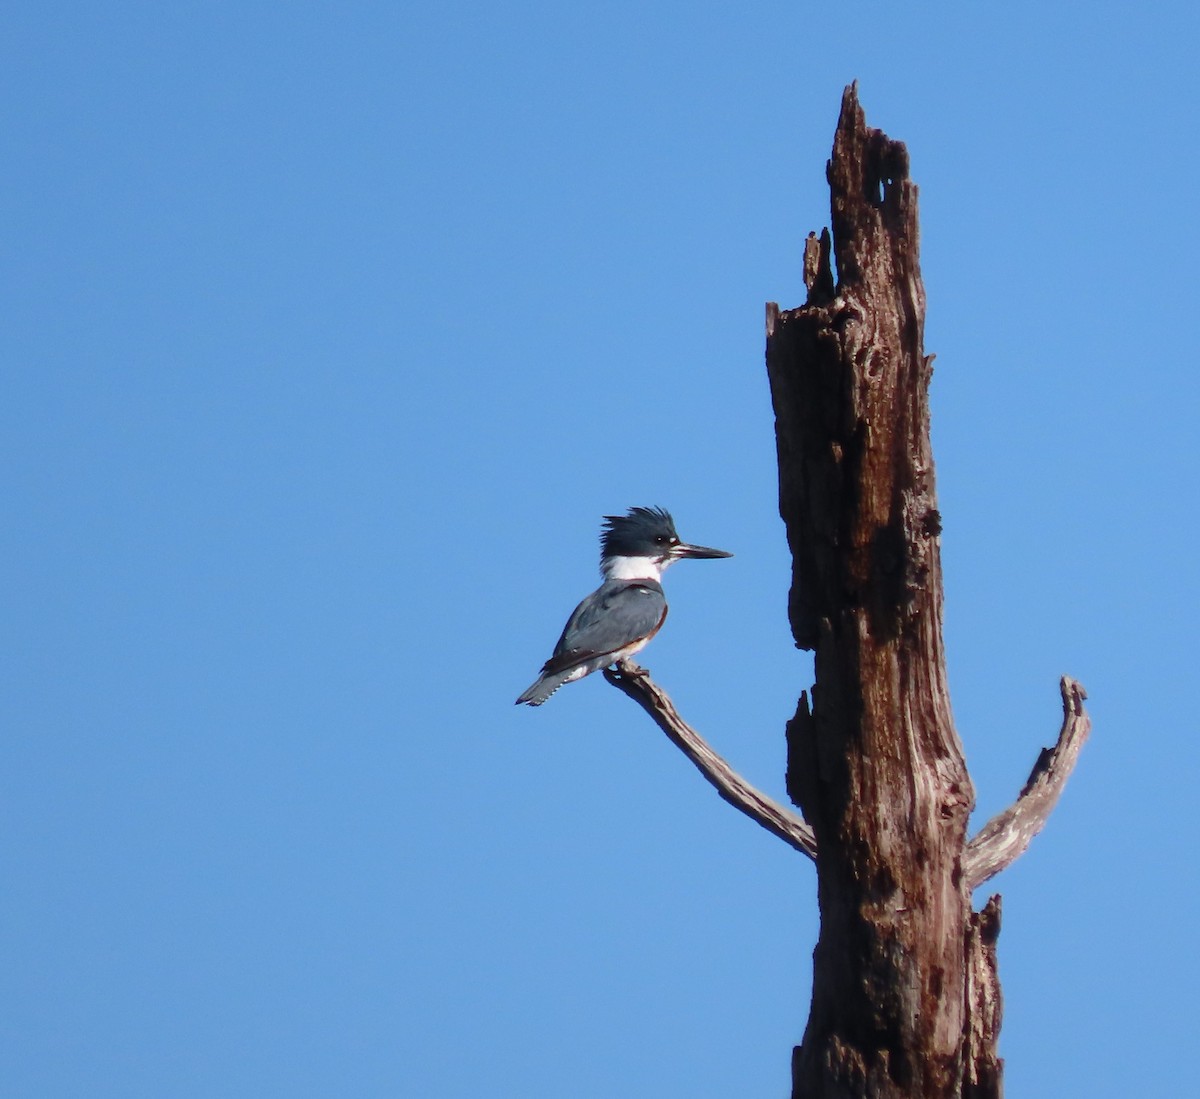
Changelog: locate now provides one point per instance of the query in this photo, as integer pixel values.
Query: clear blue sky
(332, 330)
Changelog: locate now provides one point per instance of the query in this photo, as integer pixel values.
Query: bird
(628, 609)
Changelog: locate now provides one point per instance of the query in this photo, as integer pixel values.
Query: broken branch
(1005, 837)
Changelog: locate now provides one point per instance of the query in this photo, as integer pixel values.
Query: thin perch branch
(635, 681)
(1005, 837)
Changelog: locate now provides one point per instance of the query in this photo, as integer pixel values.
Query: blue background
(332, 330)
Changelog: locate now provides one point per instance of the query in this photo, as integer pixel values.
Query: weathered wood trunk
(905, 996)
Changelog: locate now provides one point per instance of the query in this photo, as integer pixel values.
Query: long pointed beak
(685, 550)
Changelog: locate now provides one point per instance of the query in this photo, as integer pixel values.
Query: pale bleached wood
(1005, 837)
(635, 681)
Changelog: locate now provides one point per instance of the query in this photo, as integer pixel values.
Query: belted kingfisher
(628, 609)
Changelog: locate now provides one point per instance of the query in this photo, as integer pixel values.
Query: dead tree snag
(874, 762)
(906, 998)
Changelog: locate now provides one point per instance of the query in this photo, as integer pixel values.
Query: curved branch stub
(1006, 836)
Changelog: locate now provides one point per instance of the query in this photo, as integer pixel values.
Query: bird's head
(642, 543)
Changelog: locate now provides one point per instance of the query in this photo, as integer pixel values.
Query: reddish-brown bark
(874, 761)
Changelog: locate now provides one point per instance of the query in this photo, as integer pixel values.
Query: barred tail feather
(545, 686)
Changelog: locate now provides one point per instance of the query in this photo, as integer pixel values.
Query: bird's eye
(661, 539)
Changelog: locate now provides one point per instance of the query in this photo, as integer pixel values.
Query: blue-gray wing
(617, 614)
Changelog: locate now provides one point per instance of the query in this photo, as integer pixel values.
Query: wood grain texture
(874, 760)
